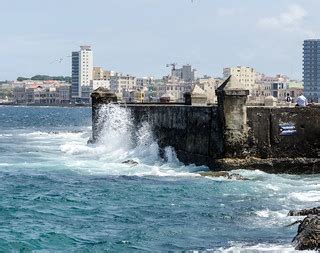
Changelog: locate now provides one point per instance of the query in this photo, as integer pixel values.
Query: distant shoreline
(41, 105)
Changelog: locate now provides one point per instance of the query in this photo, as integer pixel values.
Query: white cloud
(291, 19)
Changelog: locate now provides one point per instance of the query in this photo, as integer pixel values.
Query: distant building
(122, 85)
(63, 94)
(245, 75)
(294, 89)
(209, 85)
(19, 94)
(119, 83)
(279, 90)
(98, 73)
(186, 73)
(311, 69)
(42, 93)
(173, 87)
(82, 73)
(144, 82)
(100, 83)
(101, 74)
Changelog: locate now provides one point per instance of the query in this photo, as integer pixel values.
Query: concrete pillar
(232, 98)
(100, 97)
(198, 96)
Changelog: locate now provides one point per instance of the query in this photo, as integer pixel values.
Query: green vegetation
(45, 78)
(6, 93)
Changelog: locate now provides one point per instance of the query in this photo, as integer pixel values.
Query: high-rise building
(311, 69)
(82, 72)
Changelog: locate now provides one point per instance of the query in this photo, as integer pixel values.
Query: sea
(60, 194)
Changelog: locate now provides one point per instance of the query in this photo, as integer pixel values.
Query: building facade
(209, 86)
(173, 87)
(186, 73)
(245, 75)
(101, 74)
(82, 72)
(311, 69)
(42, 93)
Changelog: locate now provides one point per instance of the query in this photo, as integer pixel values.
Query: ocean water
(60, 194)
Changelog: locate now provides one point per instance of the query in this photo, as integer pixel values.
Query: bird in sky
(59, 60)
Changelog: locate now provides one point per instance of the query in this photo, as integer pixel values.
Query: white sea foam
(46, 135)
(263, 213)
(119, 141)
(310, 196)
(272, 187)
(272, 248)
(272, 214)
(6, 135)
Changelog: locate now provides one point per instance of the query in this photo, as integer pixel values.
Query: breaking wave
(119, 141)
(270, 248)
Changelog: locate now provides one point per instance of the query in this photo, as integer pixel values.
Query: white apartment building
(82, 72)
(174, 87)
(245, 75)
(120, 83)
(101, 74)
(98, 73)
(144, 83)
(209, 85)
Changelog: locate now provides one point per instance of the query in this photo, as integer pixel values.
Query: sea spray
(117, 132)
(146, 145)
(115, 126)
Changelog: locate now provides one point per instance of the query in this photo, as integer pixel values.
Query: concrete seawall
(232, 135)
(193, 131)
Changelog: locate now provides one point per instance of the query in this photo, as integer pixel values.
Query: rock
(236, 176)
(308, 237)
(130, 162)
(304, 212)
(215, 174)
(222, 174)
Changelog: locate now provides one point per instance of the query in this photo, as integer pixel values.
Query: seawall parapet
(231, 135)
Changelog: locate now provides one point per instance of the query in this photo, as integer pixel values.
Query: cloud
(291, 19)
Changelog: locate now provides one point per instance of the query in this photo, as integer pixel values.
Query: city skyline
(140, 38)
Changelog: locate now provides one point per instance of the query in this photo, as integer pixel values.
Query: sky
(140, 37)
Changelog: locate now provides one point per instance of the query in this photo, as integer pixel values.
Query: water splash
(120, 140)
(115, 124)
(117, 132)
(146, 147)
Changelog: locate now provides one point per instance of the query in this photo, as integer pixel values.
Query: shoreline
(41, 105)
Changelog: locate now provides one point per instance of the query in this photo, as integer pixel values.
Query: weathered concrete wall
(295, 150)
(233, 116)
(194, 132)
(232, 135)
(265, 124)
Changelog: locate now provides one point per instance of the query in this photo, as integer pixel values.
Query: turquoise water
(59, 194)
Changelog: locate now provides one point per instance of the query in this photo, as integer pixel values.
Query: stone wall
(194, 131)
(285, 140)
(269, 139)
(232, 135)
